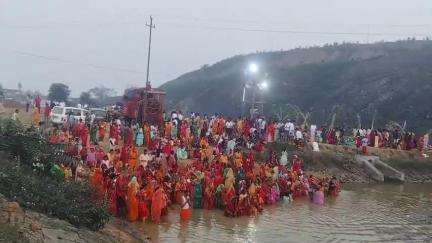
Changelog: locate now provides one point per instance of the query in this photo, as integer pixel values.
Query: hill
(391, 81)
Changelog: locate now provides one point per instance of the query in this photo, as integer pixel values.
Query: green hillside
(391, 79)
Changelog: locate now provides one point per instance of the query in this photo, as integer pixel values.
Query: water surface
(362, 213)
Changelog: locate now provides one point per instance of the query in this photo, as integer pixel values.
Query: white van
(59, 114)
(99, 114)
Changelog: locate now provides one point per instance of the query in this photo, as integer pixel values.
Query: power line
(286, 31)
(231, 21)
(261, 30)
(60, 60)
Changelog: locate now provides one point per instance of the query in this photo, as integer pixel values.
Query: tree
(58, 92)
(336, 113)
(305, 116)
(393, 126)
(283, 112)
(1, 91)
(19, 86)
(85, 98)
(101, 93)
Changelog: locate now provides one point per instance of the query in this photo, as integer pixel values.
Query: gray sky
(84, 43)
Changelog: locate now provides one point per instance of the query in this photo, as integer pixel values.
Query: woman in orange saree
(146, 130)
(143, 204)
(96, 183)
(132, 201)
(101, 131)
(133, 156)
(158, 203)
(168, 127)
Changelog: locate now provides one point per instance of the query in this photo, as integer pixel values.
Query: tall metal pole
(253, 101)
(151, 26)
(243, 100)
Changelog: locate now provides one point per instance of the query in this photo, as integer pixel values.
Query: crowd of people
(207, 162)
(194, 162)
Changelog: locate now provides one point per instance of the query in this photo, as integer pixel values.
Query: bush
(42, 191)
(28, 146)
(11, 234)
(69, 201)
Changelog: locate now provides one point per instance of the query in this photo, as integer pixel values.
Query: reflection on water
(372, 213)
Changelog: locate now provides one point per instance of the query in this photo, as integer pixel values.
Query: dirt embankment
(339, 160)
(19, 225)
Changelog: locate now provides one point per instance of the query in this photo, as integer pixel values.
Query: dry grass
(23, 116)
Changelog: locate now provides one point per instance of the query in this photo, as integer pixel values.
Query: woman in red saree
(143, 204)
(124, 154)
(167, 148)
(209, 198)
(132, 200)
(183, 128)
(230, 201)
(113, 131)
(243, 206)
(334, 187)
(296, 164)
(271, 132)
(264, 192)
(158, 204)
(185, 211)
(54, 137)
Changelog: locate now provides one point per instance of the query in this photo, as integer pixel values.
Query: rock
(35, 226)
(13, 207)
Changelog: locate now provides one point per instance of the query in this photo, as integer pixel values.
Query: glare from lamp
(263, 85)
(253, 68)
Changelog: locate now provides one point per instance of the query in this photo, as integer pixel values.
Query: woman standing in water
(158, 203)
(185, 211)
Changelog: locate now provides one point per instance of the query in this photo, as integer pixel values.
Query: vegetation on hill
(391, 81)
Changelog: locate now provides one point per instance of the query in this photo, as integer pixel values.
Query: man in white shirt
(312, 133)
(231, 146)
(15, 115)
(173, 115)
(299, 135)
(229, 127)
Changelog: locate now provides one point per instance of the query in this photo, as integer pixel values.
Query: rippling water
(371, 213)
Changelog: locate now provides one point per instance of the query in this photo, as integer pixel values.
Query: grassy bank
(27, 177)
(11, 234)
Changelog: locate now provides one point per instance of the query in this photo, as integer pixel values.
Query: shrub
(39, 190)
(69, 201)
(9, 233)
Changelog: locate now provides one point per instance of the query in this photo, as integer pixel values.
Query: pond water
(371, 213)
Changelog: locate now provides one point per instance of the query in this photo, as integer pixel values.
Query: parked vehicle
(99, 113)
(59, 114)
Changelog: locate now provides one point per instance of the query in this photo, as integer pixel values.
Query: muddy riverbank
(340, 161)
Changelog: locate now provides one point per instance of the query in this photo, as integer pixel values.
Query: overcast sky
(84, 43)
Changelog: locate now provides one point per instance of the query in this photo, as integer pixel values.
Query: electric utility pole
(151, 26)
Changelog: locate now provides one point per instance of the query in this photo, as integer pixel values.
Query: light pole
(253, 83)
(251, 71)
